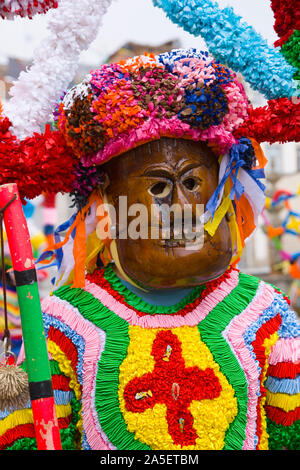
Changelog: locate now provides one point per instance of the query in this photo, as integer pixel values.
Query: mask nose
(187, 207)
(182, 217)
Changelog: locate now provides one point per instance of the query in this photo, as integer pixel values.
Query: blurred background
(132, 27)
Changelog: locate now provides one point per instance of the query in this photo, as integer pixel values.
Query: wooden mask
(167, 172)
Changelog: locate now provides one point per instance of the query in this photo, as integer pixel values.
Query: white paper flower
(72, 28)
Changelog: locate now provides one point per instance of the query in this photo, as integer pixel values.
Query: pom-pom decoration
(126, 104)
(9, 9)
(14, 391)
(287, 18)
(37, 164)
(71, 29)
(278, 121)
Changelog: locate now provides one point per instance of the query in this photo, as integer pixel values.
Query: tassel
(14, 389)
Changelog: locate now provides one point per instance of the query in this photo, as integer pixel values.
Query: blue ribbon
(258, 174)
(282, 198)
(238, 159)
(295, 256)
(58, 252)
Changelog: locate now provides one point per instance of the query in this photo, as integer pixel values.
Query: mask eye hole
(191, 184)
(160, 189)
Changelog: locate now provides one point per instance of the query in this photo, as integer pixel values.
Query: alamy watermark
(174, 225)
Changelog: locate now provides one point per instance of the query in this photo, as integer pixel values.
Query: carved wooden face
(167, 173)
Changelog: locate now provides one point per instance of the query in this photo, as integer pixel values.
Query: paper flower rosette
(182, 94)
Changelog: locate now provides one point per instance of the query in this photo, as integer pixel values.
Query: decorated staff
(39, 242)
(40, 385)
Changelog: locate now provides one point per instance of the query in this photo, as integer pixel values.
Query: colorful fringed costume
(218, 370)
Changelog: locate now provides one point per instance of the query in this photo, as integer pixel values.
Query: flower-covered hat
(182, 94)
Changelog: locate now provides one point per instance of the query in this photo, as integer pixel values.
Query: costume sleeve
(16, 425)
(283, 382)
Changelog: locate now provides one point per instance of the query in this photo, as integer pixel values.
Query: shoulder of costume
(275, 311)
(97, 303)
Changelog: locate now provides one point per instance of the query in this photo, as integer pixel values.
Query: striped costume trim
(195, 314)
(285, 350)
(24, 417)
(279, 416)
(291, 387)
(240, 291)
(234, 333)
(283, 382)
(284, 401)
(212, 330)
(94, 341)
(284, 370)
(107, 280)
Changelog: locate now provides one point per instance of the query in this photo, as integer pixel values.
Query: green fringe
(54, 368)
(134, 301)
(26, 443)
(70, 436)
(211, 329)
(283, 436)
(107, 378)
(291, 51)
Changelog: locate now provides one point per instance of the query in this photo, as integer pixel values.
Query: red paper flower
(37, 164)
(287, 17)
(174, 385)
(24, 8)
(279, 121)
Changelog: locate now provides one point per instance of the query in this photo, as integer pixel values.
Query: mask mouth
(173, 237)
(184, 237)
(172, 243)
(184, 244)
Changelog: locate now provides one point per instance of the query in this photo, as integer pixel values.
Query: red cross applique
(174, 385)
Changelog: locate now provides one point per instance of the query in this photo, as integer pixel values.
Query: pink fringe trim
(165, 321)
(234, 333)
(285, 350)
(94, 344)
(154, 129)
